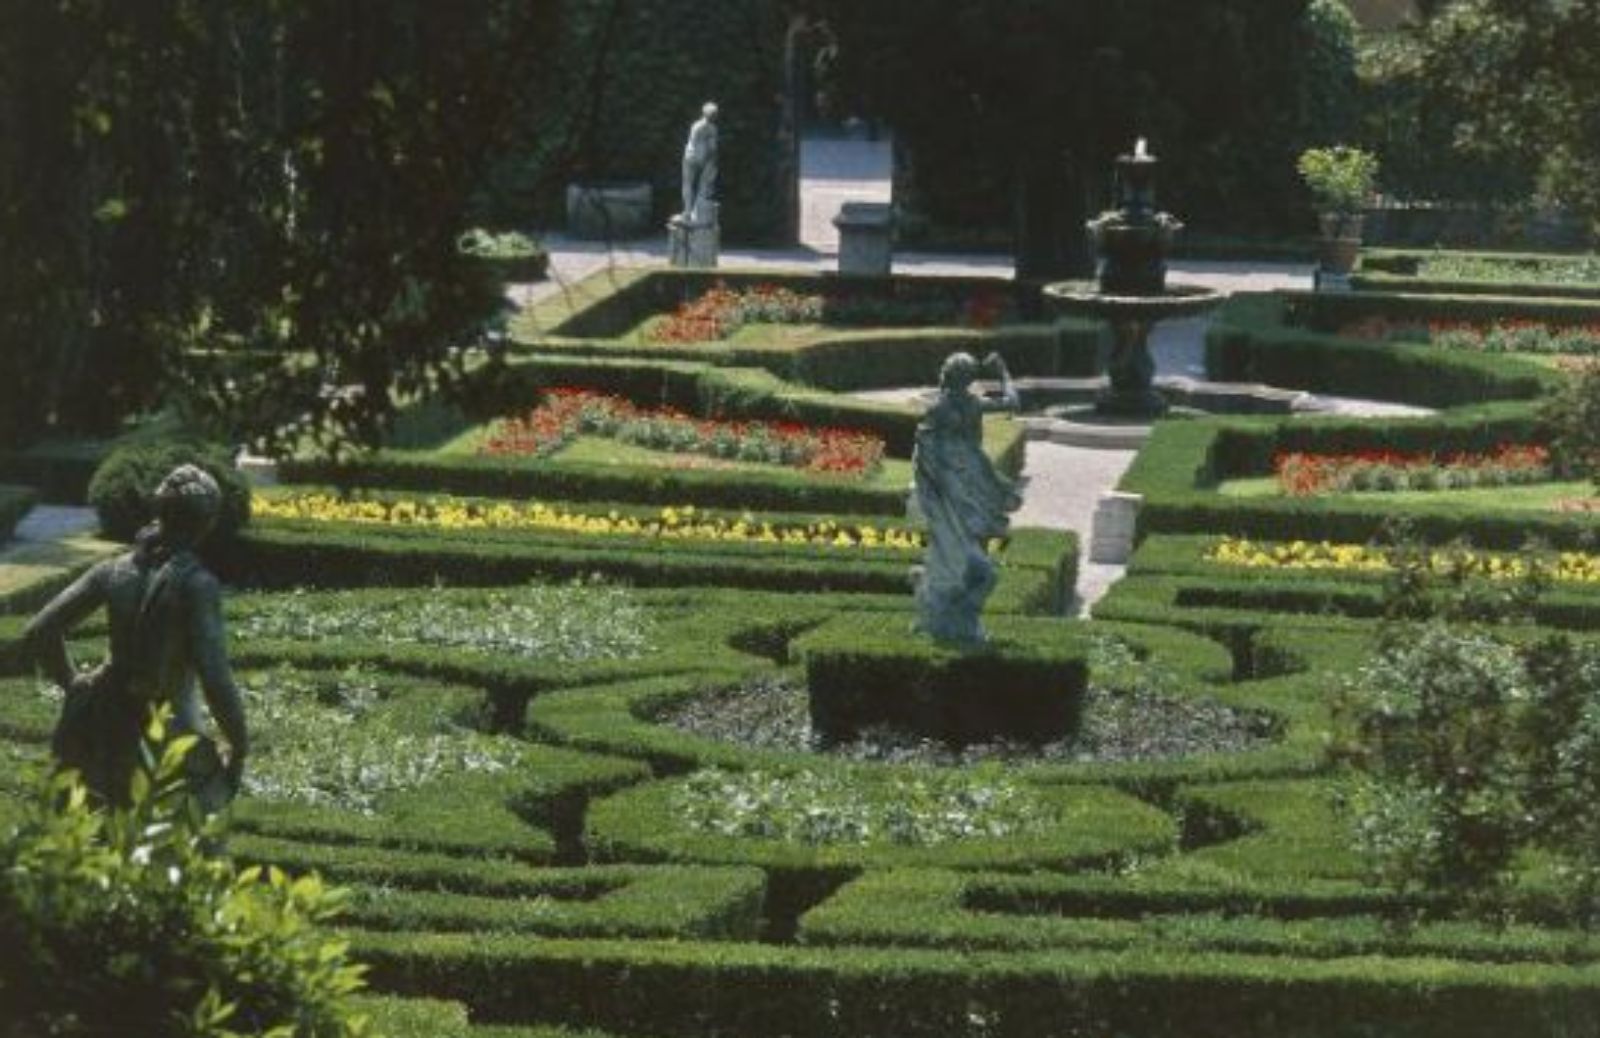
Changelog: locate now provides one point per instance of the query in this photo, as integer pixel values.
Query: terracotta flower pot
(1341, 242)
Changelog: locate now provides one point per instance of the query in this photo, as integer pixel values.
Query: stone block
(1116, 518)
(866, 235)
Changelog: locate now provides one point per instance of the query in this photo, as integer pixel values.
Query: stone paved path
(836, 171)
(55, 523)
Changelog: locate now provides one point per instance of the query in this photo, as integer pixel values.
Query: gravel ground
(1117, 725)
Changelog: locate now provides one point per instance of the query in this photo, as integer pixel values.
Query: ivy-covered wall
(632, 76)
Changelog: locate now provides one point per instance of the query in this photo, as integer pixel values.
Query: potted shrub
(513, 255)
(1342, 180)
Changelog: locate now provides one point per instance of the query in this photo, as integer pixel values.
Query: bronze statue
(165, 614)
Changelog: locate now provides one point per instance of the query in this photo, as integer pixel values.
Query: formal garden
(585, 616)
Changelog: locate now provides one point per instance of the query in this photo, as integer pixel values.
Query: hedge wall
(1180, 466)
(15, 502)
(1273, 338)
(593, 318)
(1399, 270)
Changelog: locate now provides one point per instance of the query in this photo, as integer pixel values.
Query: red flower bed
(567, 413)
(1301, 474)
(721, 311)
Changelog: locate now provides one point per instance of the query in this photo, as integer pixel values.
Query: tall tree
(1526, 74)
(1030, 100)
(255, 200)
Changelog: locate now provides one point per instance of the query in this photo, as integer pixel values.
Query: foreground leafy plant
(122, 921)
(1472, 748)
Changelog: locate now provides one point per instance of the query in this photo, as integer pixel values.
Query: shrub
(96, 935)
(1341, 178)
(15, 503)
(122, 491)
(1574, 414)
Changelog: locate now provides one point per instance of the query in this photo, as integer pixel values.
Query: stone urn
(1340, 244)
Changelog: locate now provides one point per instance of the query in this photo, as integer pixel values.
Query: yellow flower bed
(683, 523)
(1571, 566)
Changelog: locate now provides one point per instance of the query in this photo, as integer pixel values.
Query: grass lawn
(1533, 496)
(756, 332)
(24, 564)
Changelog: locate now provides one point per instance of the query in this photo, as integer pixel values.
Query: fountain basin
(1084, 299)
(1128, 365)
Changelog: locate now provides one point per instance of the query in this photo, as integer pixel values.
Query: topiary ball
(122, 491)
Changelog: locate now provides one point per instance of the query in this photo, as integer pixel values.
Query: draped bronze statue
(963, 500)
(165, 616)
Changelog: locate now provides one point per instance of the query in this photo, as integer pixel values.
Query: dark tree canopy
(1028, 102)
(1526, 74)
(256, 203)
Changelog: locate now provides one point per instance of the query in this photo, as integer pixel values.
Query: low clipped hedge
(1180, 466)
(1272, 338)
(1091, 826)
(591, 317)
(1026, 684)
(395, 890)
(294, 553)
(731, 393)
(939, 909)
(678, 989)
(15, 502)
(1284, 686)
(1399, 270)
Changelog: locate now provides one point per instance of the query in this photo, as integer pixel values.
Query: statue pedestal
(694, 245)
(866, 232)
(1116, 518)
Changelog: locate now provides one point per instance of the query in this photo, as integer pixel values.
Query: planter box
(608, 210)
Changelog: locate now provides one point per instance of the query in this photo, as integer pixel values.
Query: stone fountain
(1132, 291)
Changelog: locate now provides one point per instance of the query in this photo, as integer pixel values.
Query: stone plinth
(697, 245)
(866, 238)
(1330, 281)
(1115, 519)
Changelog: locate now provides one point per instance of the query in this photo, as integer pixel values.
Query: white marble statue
(963, 500)
(700, 167)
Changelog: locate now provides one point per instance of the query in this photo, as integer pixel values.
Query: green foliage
(567, 623)
(1409, 119)
(1522, 79)
(1329, 89)
(621, 84)
(1021, 108)
(322, 740)
(115, 916)
(833, 808)
(1472, 748)
(158, 237)
(122, 491)
(1341, 178)
(1434, 719)
(15, 502)
(1574, 416)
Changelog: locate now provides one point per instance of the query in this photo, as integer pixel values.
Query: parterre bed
(564, 857)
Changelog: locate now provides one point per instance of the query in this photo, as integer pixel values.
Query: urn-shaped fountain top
(1132, 239)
